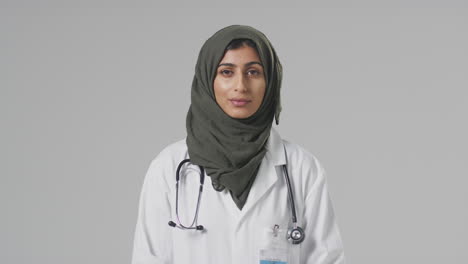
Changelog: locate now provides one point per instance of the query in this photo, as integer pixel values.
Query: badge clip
(275, 230)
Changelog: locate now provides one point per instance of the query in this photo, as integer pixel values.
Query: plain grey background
(91, 91)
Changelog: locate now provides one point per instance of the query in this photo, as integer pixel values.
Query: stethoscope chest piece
(296, 235)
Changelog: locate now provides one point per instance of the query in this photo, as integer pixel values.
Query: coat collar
(275, 151)
(267, 174)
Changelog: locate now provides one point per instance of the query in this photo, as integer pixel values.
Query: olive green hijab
(231, 149)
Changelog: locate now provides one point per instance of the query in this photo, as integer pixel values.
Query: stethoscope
(295, 233)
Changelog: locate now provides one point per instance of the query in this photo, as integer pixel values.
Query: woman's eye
(225, 72)
(253, 72)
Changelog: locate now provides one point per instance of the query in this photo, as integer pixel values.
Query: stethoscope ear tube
(178, 168)
(195, 218)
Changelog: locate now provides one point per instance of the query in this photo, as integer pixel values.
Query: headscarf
(231, 149)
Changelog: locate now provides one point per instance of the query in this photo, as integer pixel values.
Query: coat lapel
(267, 175)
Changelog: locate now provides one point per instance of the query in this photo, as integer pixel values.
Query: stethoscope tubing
(290, 196)
(202, 180)
(295, 235)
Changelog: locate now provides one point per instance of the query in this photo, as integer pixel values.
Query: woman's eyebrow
(246, 65)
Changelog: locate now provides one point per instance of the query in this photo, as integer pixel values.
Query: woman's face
(239, 85)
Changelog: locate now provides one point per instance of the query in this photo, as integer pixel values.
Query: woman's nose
(241, 83)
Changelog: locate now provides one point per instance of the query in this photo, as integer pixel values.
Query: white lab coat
(232, 235)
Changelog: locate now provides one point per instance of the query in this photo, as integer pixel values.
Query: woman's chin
(240, 113)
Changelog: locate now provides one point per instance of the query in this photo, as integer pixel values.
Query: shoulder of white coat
(163, 165)
(305, 164)
(172, 151)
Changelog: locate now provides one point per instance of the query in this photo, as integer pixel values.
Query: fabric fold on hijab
(231, 149)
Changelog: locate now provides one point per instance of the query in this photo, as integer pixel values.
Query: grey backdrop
(91, 91)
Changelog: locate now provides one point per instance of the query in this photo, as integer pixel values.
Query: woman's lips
(239, 102)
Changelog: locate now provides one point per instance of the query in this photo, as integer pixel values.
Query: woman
(245, 214)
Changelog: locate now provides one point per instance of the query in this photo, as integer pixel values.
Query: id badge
(276, 250)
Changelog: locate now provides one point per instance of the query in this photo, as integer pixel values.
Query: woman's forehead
(244, 54)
